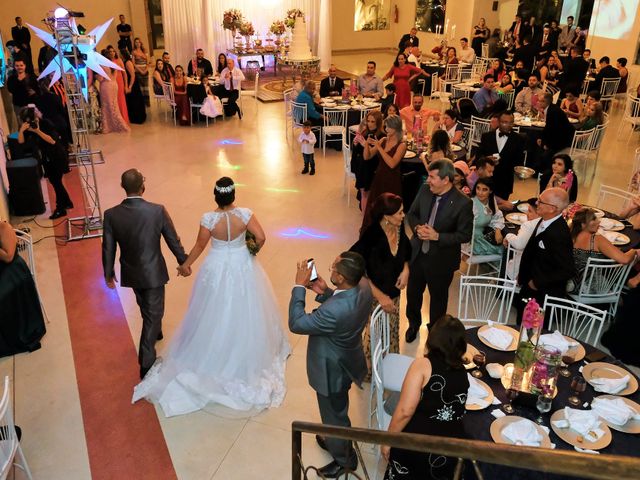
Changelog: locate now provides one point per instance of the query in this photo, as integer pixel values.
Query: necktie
(426, 244)
(231, 80)
(332, 82)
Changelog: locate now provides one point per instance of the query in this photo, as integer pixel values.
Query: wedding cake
(299, 48)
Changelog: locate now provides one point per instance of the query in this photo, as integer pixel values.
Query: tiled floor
(181, 165)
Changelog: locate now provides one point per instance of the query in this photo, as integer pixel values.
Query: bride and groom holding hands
(208, 361)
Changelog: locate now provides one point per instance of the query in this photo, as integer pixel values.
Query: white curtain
(191, 24)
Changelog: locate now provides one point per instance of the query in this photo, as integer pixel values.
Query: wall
(343, 36)
(507, 10)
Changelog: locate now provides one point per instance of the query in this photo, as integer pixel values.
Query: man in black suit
(331, 85)
(136, 226)
(526, 53)
(547, 260)
(409, 39)
(507, 148)
(441, 219)
(21, 35)
(606, 71)
(544, 43)
(199, 65)
(335, 358)
(518, 29)
(557, 133)
(575, 71)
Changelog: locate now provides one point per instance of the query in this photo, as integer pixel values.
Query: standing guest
(232, 78)
(544, 46)
(306, 97)
(575, 71)
(518, 29)
(135, 98)
(416, 116)
(441, 219)
(557, 133)
(483, 168)
(534, 30)
(449, 123)
(183, 109)
(22, 86)
(479, 35)
(141, 62)
(594, 116)
(111, 116)
(331, 85)
(363, 167)
(571, 105)
(487, 216)
(606, 71)
(486, 97)
(526, 52)
(411, 38)
(561, 175)
(125, 33)
(547, 260)
(386, 251)
(389, 97)
(621, 65)
(199, 65)
(121, 81)
(403, 74)
(222, 63)
(166, 59)
(45, 55)
(580, 39)
(334, 353)
(307, 140)
(567, 34)
(369, 84)
(495, 49)
(527, 99)
(21, 35)
(160, 76)
(497, 70)
(54, 108)
(554, 29)
(466, 55)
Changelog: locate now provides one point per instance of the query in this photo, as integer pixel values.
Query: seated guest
(594, 116)
(586, 56)
(451, 58)
(621, 65)
(232, 79)
(199, 65)
(389, 97)
(160, 76)
(631, 210)
(571, 105)
(439, 147)
(549, 71)
(386, 251)
(413, 56)
(506, 84)
(211, 104)
(486, 97)
(561, 175)
(392, 110)
(557, 133)
(331, 85)
(19, 302)
(369, 84)
(364, 168)
(484, 167)
(298, 85)
(433, 384)
(306, 97)
(222, 63)
(460, 177)
(466, 55)
(410, 38)
(526, 53)
(488, 220)
(449, 123)
(166, 60)
(416, 116)
(527, 99)
(439, 51)
(497, 70)
(606, 71)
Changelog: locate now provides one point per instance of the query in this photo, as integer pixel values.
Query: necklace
(391, 230)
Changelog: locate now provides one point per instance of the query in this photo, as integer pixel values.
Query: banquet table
(354, 112)
(477, 423)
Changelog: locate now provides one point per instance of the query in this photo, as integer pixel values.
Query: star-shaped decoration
(94, 61)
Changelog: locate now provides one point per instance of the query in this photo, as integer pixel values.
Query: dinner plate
(571, 436)
(611, 224)
(514, 334)
(632, 426)
(573, 120)
(410, 154)
(501, 423)
(538, 123)
(578, 352)
(616, 238)
(468, 356)
(455, 148)
(488, 399)
(515, 217)
(523, 207)
(599, 213)
(608, 370)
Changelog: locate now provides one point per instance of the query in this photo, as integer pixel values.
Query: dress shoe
(160, 336)
(68, 206)
(58, 213)
(305, 170)
(321, 443)
(412, 333)
(335, 470)
(312, 172)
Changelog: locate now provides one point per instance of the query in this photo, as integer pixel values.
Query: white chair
(460, 91)
(365, 111)
(451, 76)
(382, 418)
(479, 126)
(584, 90)
(348, 174)
(581, 147)
(287, 95)
(508, 97)
(24, 248)
(613, 199)
(631, 115)
(608, 91)
(466, 135)
(602, 283)
(170, 99)
(197, 106)
(485, 50)
(9, 444)
(484, 299)
(634, 179)
(251, 93)
(494, 262)
(512, 265)
(478, 70)
(298, 115)
(596, 143)
(576, 320)
(335, 123)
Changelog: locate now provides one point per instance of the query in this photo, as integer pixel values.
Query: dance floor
(72, 397)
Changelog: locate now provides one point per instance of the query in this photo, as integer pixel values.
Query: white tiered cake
(299, 48)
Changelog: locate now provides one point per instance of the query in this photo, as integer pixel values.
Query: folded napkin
(522, 432)
(498, 413)
(610, 385)
(586, 450)
(497, 337)
(476, 394)
(614, 410)
(584, 422)
(557, 340)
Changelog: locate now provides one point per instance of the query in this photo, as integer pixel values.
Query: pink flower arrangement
(247, 28)
(232, 19)
(533, 315)
(569, 212)
(277, 27)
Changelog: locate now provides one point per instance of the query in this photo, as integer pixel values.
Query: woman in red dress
(183, 110)
(403, 74)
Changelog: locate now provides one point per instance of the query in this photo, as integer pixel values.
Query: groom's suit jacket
(137, 227)
(334, 354)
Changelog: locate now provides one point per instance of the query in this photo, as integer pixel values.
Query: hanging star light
(89, 58)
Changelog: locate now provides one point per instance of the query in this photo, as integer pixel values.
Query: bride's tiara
(228, 189)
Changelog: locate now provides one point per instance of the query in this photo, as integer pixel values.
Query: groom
(136, 226)
(335, 357)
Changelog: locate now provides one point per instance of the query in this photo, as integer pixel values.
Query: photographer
(53, 154)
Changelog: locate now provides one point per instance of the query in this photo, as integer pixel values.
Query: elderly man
(369, 84)
(527, 99)
(486, 96)
(410, 39)
(416, 116)
(466, 53)
(331, 85)
(232, 79)
(199, 66)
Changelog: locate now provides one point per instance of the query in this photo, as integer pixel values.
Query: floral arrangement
(246, 28)
(277, 27)
(252, 245)
(292, 14)
(569, 212)
(232, 19)
(532, 320)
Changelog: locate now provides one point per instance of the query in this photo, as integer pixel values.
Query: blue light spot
(229, 141)
(300, 233)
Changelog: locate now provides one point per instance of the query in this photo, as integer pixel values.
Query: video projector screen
(613, 18)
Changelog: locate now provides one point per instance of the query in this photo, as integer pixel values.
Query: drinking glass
(512, 394)
(543, 404)
(566, 360)
(578, 385)
(479, 359)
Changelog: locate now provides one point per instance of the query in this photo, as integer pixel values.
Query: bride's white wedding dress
(230, 348)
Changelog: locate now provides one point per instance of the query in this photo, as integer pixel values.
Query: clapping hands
(183, 271)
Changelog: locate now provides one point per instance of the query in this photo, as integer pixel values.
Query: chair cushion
(333, 130)
(394, 369)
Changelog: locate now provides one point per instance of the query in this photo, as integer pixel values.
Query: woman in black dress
(480, 36)
(432, 402)
(135, 99)
(364, 169)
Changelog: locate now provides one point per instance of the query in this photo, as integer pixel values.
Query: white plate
(514, 334)
(455, 148)
(611, 224)
(608, 370)
(523, 207)
(572, 437)
(573, 120)
(599, 213)
(538, 123)
(632, 426)
(410, 154)
(516, 218)
(488, 400)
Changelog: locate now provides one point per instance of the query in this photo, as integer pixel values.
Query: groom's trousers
(151, 303)
(334, 410)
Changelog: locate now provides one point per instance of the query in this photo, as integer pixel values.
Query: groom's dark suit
(335, 357)
(136, 226)
(511, 155)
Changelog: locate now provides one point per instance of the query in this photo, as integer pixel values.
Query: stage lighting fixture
(60, 12)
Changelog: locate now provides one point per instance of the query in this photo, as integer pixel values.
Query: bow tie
(500, 134)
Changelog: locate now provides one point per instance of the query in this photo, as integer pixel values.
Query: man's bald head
(552, 202)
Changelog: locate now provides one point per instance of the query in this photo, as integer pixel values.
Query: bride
(230, 348)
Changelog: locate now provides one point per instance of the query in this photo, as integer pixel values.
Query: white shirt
(520, 240)
(307, 147)
(237, 75)
(545, 224)
(501, 140)
(412, 59)
(467, 55)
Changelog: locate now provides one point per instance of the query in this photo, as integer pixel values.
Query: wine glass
(512, 394)
(567, 359)
(578, 385)
(479, 359)
(543, 404)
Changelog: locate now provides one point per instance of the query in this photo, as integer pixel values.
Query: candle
(446, 26)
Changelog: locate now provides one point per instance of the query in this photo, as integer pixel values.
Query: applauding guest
(232, 78)
(331, 85)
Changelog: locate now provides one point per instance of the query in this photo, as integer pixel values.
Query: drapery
(192, 24)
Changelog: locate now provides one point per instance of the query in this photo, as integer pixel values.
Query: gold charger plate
(632, 426)
(599, 213)
(571, 436)
(611, 224)
(410, 154)
(488, 399)
(578, 352)
(500, 423)
(514, 334)
(608, 370)
(616, 238)
(516, 218)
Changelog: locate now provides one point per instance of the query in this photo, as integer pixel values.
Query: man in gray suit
(136, 226)
(441, 219)
(335, 357)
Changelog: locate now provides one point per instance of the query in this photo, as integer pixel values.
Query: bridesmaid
(135, 100)
(141, 62)
(120, 78)
(111, 117)
(183, 109)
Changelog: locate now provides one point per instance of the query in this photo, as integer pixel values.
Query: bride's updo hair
(224, 192)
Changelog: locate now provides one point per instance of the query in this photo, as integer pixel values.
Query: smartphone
(314, 273)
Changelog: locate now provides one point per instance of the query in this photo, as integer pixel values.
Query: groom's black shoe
(160, 336)
(335, 470)
(321, 443)
(412, 333)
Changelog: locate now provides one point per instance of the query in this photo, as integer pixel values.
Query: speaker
(25, 189)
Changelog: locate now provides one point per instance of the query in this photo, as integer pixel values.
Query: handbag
(489, 235)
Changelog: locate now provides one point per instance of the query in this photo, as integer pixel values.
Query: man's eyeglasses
(538, 201)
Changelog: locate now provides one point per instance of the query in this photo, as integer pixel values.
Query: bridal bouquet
(277, 27)
(290, 19)
(252, 245)
(232, 19)
(246, 28)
